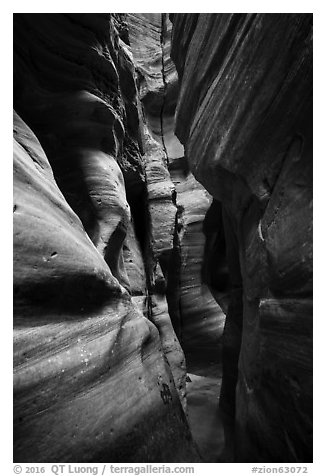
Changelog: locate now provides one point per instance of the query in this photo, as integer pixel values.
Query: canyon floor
(203, 390)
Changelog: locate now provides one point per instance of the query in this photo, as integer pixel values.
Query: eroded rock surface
(244, 118)
(120, 254)
(178, 203)
(99, 374)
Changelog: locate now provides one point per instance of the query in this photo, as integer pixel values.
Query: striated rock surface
(99, 374)
(244, 118)
(120, 253)
(178, 203)
(202, 318)
(150, 42)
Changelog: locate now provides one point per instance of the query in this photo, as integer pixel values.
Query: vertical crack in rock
(162, 41)
(98, 372)
(196, 317)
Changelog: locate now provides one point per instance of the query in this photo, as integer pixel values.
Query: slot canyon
(162, 237)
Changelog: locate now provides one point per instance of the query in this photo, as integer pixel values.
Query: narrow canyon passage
(162, 238)
(197, 318)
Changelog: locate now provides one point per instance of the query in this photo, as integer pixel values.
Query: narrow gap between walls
(162, 41)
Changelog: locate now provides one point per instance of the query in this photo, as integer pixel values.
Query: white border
(318, 9)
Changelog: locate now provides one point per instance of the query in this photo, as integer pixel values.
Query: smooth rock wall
(175, 197)
(98, 372)
(202, 319)
(244, 118)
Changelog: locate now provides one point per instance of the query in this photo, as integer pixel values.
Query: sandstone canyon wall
(99, 374)
(196, 316)
(244, 116)
(147, 207)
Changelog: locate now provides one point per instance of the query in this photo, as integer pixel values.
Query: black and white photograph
(162, 242)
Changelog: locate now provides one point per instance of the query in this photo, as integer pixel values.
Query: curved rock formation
(99, 374)
(197, 318)
(150, 42)
(120, 254)
(244, 118)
